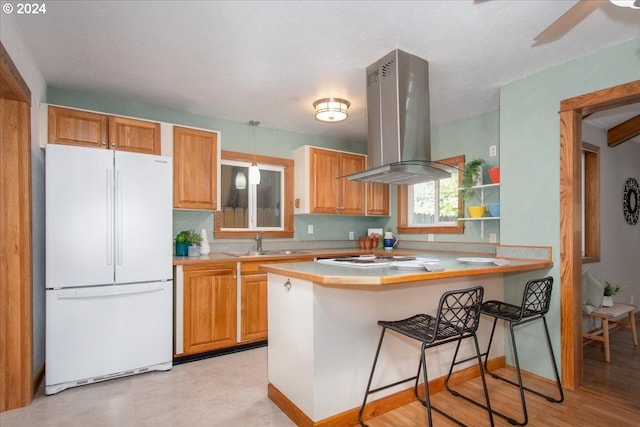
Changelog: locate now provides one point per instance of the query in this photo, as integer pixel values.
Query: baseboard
(177, 360)
(37, 380)
(376, 407)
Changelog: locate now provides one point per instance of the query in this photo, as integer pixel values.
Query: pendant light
(254, 170)
(241, 181)
(633, 4)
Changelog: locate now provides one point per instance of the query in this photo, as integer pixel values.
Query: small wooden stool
(608, 316)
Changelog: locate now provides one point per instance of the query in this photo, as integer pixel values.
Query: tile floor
(224, 391)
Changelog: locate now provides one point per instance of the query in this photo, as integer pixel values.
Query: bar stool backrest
(537, 297)
(458, 313)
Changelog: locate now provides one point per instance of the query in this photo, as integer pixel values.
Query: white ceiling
(269, 60)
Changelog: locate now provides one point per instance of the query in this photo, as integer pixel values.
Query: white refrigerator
(109, 284)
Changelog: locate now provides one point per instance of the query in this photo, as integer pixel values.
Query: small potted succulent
(609, 291)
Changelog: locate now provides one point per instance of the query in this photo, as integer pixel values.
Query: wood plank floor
(618, 381)
(610, 395)
(578, 409)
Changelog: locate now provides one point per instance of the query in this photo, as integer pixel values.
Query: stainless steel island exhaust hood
(399, 132)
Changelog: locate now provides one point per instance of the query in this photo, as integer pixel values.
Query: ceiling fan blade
(567, 21)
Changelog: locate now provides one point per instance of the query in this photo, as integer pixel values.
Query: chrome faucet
(259, 242)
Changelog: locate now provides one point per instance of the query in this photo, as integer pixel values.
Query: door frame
(572, 110)
(16, 289)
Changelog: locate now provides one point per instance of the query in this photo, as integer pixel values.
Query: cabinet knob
(113, 144)
(287, 285)
(104, 142)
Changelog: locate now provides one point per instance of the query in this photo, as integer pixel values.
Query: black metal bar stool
(457, 319)
(536, 299)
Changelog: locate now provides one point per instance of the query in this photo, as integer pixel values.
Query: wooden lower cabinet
(253, 307)
(210, 302)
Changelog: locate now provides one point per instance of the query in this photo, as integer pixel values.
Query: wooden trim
(376, 407)
(16, 322)
(37, 380)
(605, 99)
(591, 201)
(12, 85)
(287, 209)
(247, 157)
(571, 112)
(294, 413)
(623, 131)
(403, 206)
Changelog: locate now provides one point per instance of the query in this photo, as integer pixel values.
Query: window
(246, 208)
(432, 207)
(590, 203)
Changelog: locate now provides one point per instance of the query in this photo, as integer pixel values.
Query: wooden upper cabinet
(377, 198)
(195, 169)
(323, 185)
(84, 128)
(134, 135)
(351, 192)
(319, 188)
(73, 127)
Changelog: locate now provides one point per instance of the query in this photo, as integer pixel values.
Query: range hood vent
(398, 123)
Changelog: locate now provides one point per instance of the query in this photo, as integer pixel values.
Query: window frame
(403, 206)
(590, 163)
(286, 209)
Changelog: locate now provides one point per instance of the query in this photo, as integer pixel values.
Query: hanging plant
(469, 177)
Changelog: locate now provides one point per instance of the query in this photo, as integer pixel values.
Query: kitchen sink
(263, 253)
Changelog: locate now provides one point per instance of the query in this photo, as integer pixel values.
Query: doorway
(572, 111)
(15, 243)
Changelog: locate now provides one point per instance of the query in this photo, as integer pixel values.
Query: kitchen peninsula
(323, 327)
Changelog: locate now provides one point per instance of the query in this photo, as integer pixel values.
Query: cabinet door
(209, 309)
(253, 315)
(195, 167)
(351, 192)
(134, 135)
(377, 198)
(73, 127)
(324, 168)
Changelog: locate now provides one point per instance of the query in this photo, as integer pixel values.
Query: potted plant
(471, 177)
(184, 240)
(609, 291)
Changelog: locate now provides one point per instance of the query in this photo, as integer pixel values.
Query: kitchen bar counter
(323, 329)
(338, 275)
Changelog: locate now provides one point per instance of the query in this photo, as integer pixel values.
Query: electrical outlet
(351, 235)
(430, 237)
(310, 228)
(492, 238)
(492, 151)
(631, 300)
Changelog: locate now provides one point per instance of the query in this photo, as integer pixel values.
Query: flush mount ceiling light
(633, 4)
(331, 109)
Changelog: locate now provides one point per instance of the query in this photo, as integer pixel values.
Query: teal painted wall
(530, 170)
(471, 137)
(235, 136)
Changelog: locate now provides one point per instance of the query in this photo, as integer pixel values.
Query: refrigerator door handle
(109, 227)
(119, 212)
(110, 292)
